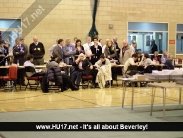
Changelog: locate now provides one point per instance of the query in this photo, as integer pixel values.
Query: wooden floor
(84, 98)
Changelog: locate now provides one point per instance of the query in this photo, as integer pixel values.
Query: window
(179, 37)
(143, 33)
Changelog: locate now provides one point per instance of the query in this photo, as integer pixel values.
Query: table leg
(180, 90)
(124, 90)
(132, 85)
(152, 99)
(164, 98)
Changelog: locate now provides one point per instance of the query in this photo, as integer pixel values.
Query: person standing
(126, 52)
(69, 54)
(19, 53)
(26, 47)
(96, 51)
(3, 71)
(104, 46)
(116, 46)
(79, 48)
(38, 51)
(154, 47)
(87, 47)
(133, 45)
(50, 50)
(59, 50)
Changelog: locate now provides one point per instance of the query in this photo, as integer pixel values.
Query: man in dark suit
(19, 51)
(58, 50)
(154, 47)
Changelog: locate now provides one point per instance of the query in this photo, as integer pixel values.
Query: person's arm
(43, 49)
(131, 61)
(30, 49)
(50, 50)
(97, 64)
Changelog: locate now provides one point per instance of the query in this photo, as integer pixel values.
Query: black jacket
(97, 53)
(37, 51)
(154, 48)
(54, 75)
(18, 54)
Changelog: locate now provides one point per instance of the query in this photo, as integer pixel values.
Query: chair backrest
(29, 71)
(13, 70)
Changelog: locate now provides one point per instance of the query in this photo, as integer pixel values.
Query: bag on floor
(44, 84)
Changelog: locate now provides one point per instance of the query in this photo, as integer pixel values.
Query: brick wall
(73, 18)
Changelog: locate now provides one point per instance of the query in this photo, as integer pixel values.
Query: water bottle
(6, 63)
(17, 62)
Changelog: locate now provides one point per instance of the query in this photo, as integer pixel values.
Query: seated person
(102, 62)
(146, 61)
(164, 57)
(67, 82)
(129, 62)
(80, 69)
(139, 56)
(30, 68)
(168, 62)
(155, 57)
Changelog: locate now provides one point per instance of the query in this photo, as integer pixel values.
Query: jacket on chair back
(54, 75)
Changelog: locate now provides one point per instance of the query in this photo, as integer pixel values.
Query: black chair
(30, 72)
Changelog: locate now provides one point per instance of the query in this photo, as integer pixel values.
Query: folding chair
(30, 71)
(12, 77)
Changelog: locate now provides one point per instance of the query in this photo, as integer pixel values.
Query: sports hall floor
(88, 105)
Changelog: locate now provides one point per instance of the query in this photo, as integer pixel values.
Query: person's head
(170, 57)
(146, 56)
(96, 41)
(165, 53)
(109, 44)
(78, 42)
(22, 40)
(81, 56)
(75, 38)
(115, 39)
(67, 42)
(134, 43)
(89, 39)
(100, 40)
(134, 56)
(152, 41)
(61, 42)
(30, 58)
(156, 53)
(35, 39)
(125, 43)
(102, 58)
(54, 57)
(106, 41)
(139, 53)
(18, 41)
